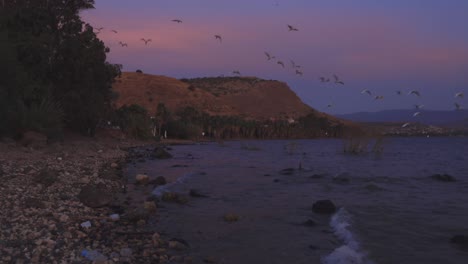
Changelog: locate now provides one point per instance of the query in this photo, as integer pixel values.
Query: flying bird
(218, 37)
(457, 106)
(418, 106)
(366, 91)
(322, 79)
(378, 97)
(398, 92)
(405, 125)
(329, 105)
(280, 63)
(269, 57)
(460, 94)
(414, 92)
(416, 114)
(176, 20)
(115, 31)
(337, 80)
(98, 30)
(236, 72)
(299, 72)
(293, 64)
(123, 44)
(145, 40)
(292, 28)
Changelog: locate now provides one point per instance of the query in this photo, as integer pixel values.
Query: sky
(382, 46)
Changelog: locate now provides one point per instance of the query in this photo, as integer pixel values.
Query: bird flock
(297, 70)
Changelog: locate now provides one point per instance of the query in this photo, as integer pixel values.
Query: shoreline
(43, 192)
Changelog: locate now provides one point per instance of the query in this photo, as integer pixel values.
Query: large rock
(160, 180)
(142, 179)
(160, 153)
(324, 207)
(33, 139)
(95, 196)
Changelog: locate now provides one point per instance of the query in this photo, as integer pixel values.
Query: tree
(61, 57)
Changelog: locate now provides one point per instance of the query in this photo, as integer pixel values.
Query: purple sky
(382, 46)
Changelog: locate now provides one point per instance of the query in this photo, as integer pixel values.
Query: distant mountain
(454, 118)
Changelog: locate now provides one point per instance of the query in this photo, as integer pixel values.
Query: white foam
(160, 190)
(350, 252)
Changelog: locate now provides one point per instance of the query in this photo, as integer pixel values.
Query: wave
(350, 252)
(160, 190)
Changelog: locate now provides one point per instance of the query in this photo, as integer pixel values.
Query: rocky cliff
(247, 97)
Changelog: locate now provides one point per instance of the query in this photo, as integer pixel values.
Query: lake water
(390, 209)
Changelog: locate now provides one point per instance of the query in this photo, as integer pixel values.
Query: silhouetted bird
(460, 94)
(299, 72)
(414, 92)
(176, 20)
(145, 40)
(236, 72)
(398, 92)
(457, 106)
(337, 80)
(378, 97)
(418, 106)
(123, 44)
(366, 91)
(115, 31)
(218, 37)
(293, 64)
(292, 28)
(268, 55)
(280, 63)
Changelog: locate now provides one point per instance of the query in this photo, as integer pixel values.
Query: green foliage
(52, 62)
(182, 130)
(134, 121)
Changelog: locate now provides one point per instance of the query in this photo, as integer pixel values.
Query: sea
(389, 207)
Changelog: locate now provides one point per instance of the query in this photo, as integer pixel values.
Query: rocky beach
(59, 201)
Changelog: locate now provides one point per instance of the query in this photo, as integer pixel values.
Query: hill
(266, 102)
(248, 97)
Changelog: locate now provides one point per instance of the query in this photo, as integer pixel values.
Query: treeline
(53, 69)
(189, 123)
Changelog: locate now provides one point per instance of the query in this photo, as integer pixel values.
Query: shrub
(134, 121)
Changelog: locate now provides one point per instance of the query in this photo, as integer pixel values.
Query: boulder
(443, 177)
(137, 214)
(324, 207)
(142, 179)
(160, 153)
(94, 196)
(160, 180)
